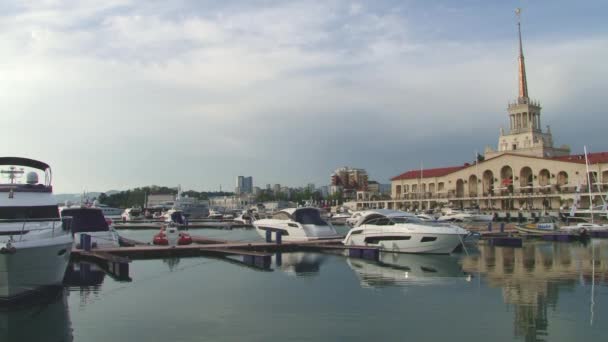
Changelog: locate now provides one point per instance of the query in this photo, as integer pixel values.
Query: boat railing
(23, 230)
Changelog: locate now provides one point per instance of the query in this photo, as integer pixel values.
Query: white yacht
(109, 212)
(215, 215)
(297, 224)
(467, 215)
(175, 216)
(35, 244)
(246, 217)
(91, 221)
(398, 231)
(352, 220)
(132, 214)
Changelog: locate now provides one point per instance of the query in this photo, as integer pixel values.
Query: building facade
(348, 181)
(244, 185)
(525, 171)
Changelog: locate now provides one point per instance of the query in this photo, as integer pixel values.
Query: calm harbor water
(544, 291)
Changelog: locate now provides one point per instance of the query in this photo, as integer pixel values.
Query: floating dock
(206, 224)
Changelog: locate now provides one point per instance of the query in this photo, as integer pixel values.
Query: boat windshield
(309, 216)
(29, 213)
(177, 217)
(406, 219)
(86, 220)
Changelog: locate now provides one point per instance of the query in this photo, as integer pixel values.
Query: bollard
(502, 227)
(268, 235)
(123, 270)
(279, 237)
(85, 242)
(489, 226)
(279, 259)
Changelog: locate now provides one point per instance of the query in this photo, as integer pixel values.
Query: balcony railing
(539, 191)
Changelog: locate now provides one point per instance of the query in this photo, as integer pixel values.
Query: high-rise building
(348, 180)
(244, 185)
(277, 188)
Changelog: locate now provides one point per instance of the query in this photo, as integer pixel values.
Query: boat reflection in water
(398, 269)
(45, 317)
(298, 263)
(532, 277)
(85, 279)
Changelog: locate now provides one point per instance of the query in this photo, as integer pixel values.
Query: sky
(117, 94)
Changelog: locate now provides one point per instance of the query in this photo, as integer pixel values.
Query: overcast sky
(116, 94)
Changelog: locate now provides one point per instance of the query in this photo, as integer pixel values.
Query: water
(543, 291)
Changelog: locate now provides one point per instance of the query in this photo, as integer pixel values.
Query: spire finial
(523, 84)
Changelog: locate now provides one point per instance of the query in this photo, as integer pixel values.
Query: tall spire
(523, 83)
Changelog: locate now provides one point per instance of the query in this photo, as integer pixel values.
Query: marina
(303, 171)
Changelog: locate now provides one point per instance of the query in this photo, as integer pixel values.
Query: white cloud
(140, 91)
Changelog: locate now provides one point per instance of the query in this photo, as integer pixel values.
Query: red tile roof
(429, 173)
(594, 158)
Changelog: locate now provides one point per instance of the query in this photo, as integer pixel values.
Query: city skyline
(106, 94)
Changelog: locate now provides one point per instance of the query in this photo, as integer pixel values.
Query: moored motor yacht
(92, 222)
(215, 215)
(175, 217)
(132, 214)
(297, 224)
(35, 244)
(466, 215)
(401, 232)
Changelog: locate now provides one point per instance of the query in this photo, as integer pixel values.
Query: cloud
(125, 93)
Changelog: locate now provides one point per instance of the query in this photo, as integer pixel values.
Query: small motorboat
(171, 236)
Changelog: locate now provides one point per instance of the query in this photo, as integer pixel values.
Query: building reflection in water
(532, 277)
(40, 319)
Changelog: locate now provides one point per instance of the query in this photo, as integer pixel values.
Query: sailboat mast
(589, 183)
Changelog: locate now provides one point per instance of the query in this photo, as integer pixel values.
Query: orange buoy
(184, 239)
(160, 239)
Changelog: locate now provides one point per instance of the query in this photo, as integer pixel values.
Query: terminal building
(525, 171)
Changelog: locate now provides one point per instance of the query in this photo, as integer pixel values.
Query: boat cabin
(86, 220)
(301, 215)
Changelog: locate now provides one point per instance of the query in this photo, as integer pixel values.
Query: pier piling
(85, 242)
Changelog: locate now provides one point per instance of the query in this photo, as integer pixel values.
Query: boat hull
(307, 233)
(33, 267)
(407, 242)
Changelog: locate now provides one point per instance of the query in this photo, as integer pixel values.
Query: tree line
(136, 197)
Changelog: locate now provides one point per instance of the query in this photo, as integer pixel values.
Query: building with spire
(526, 171)
(525, 135)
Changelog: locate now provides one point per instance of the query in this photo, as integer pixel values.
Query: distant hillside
(74, 198)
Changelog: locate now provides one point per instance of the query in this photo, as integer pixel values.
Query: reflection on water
(172, 263)
(85, 279)
(496, 293)
(47, 320)
(299, 264)
(532, 277)
(395, 269)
